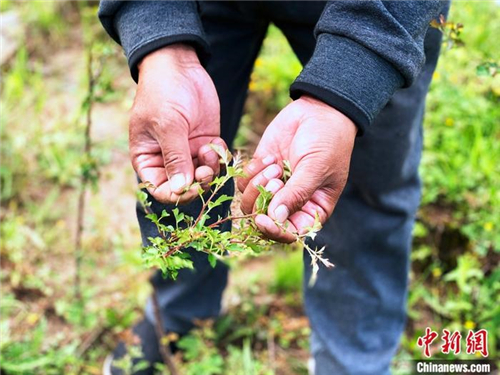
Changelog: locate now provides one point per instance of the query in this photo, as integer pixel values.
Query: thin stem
(205, 204)
(172, 238)
(165, 352)
(232, 218)
(84, 179)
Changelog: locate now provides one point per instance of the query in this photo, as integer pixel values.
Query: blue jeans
(356, 310)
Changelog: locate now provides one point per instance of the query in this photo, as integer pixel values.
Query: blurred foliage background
(46, 101)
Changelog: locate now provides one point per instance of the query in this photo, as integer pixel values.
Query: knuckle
(135, 163)
(247, 202)
(241, 185)
(165, 118)
(245, 207)
(174, 159)
(298, 197)
(139, 112)
(175, 114)
(258, 180)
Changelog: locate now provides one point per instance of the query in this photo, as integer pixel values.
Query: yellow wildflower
(469, 324)
(437, 272)
(32, 318)
(252, 86)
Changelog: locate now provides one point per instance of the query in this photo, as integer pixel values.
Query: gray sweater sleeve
(142, 27)
(365, 51)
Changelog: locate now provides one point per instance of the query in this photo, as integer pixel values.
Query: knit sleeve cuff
(146, 26)
(349, 77)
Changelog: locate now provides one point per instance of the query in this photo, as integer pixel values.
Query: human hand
(174, 118)
(317, 140)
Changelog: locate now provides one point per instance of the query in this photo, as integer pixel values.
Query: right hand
(175, 116)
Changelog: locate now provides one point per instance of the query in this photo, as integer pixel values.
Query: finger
(149, 167)
(272, 231)
(252, 192)
(177, 159)
(204, 175)
(254, 167)
(295, 194)
(305, 219)
(313, 208)
(207, 155)
(274, 185)
(164, 194)
(301, 221)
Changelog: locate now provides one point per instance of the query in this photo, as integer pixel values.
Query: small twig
(84, 178)
(160, 333)
(205, 204)
(271, 351)
(232, 218)
(91, 338)
(172, 251)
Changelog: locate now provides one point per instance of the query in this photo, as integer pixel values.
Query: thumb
(297, 191)
(177, 159)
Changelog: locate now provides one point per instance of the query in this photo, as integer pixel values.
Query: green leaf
(263, 200)
(212, 260)
(235, 172)
(202, 221)
(287, 171)
(218, 180)
(223, 198)
(487, 69)
(142, 197)
(225, 154)
(236, 247)
(179, 216)
(152, 217)
(312, 231)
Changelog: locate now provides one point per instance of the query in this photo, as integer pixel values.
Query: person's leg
(357, 309)
(235, 33)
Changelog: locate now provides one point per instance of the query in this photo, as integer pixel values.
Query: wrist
(337, 116)
(178, 54)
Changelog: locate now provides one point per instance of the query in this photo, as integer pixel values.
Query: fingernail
(281, 213)
(272, 172)
(177, 182)
(268, 160)
(273, 186)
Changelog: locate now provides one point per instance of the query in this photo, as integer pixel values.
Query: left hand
(318, 141)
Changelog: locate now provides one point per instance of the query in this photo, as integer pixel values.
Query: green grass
(455, 276)
(288, 272)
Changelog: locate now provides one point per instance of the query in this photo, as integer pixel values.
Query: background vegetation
(55, 320)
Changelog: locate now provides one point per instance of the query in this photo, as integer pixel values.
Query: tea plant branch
(166, 251)
(228, 218)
